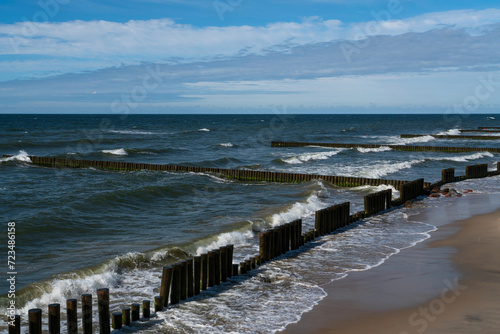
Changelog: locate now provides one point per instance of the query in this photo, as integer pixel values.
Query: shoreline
(445, 284)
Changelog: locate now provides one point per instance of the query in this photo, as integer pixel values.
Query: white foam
(21, 156)
(465, 158)
(406, 141)
(378, 149)
(299, 159)
(118, 151)
(377, 171)
(226, 144)
(132, 132)
(375, 189)
(231, 238)
(450, 132)
(62, 289)
(204, 130)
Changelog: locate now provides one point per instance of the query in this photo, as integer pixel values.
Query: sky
(249, 56)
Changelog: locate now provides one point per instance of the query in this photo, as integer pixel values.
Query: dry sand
(448, 284)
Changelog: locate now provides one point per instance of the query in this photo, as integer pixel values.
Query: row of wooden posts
(453, 137)
(378, 201)
(188, 278)
(332, 218)
(476, 171)
(237, 174)
(419, 148)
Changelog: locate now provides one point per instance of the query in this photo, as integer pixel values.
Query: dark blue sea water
(82, 229)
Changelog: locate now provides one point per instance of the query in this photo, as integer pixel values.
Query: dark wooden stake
(35, 321)
(87, 313)
(54, 319)
(117, 320)
(103, 308)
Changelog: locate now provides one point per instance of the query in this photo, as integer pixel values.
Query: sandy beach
(447, 284)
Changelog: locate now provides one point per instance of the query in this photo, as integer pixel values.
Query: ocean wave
(298, 210)
(377, 171)
(225, 144)
(375, 189)
(451, 132)
(21, 156)
(204, 130)
(118, 151)
(378, 149)
(406, 141)
(465, 158)
(133, 132)
(299, 159)
(236, 238)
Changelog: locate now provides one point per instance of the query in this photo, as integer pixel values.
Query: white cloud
(164, 40)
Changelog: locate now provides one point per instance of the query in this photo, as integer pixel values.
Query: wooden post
(135, 312)
(197, 275)
(117, 320)
(229, 260)
(223, 264)
(54, 319)
(190, 278)
(235, 269)
(72, 316)
(211, 268)
(103, 309)
(35, 321)
(15, 325)
(175, 293)
(217, 266)
(158, 304)
(243, 268)
(184, 275)
(146, 309)
(204, 271)
(262, 246)
(87, 313)
(126, 316)
(166, 282)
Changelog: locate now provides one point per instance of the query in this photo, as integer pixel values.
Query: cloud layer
(45, 48)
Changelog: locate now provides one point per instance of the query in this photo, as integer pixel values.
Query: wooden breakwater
(236, 174)
(419, 148)
(488, 127)
(186, 279)
(453, 137)
(478, 130)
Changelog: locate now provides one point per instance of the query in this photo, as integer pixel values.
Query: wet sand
(447, 284)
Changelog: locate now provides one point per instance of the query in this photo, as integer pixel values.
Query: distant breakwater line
(236, 174)
(419, 148)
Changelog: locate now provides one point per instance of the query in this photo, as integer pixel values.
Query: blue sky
(230, 56)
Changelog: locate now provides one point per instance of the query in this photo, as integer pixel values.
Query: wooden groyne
(189, 278)
(488, 127)
(418, 148)
(453, 137)
(236, 174)
(478, 130)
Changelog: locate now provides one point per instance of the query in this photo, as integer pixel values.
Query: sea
(78, 230)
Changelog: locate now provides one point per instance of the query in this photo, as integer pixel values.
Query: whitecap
(204, 130)
(119, 151)
(378, 149)
(21, 156)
